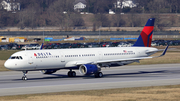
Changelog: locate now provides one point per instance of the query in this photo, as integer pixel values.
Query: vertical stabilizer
(41, 47)
(145, 37)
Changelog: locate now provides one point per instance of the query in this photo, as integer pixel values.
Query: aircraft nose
(7, 65)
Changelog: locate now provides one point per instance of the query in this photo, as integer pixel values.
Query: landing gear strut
(24, 75)
(71, 73)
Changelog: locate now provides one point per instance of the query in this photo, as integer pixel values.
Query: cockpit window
(16, 57)
(20, 57)
(13, 57)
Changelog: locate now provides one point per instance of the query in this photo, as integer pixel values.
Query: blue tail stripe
(149, 38)
(150, 22)
(139, 42)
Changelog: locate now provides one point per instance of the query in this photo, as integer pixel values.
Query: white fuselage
(66, 58)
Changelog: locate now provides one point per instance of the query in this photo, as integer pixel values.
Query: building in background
(124, 3)
(79, 5)
(10, 5)
(12, 39)
(111, 12)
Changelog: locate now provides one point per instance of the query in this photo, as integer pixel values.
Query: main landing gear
(24, 75)
(98, 75)
(71, 73)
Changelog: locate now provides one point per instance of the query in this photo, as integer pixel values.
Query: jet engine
(88, 69)
(48, 71)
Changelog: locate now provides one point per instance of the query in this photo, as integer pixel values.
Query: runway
(119, 77)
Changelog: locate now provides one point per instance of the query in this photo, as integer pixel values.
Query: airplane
(88, 61)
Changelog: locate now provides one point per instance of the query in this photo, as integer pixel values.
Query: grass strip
(159, 93)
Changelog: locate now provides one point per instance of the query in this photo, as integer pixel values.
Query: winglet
(41, 47)
(164, 52)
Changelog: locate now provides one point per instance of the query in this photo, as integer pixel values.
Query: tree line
(39, 13)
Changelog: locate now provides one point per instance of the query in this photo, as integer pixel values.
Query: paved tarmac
(118, 77)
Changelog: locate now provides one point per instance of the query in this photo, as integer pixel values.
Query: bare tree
(160, 23)
(27, 18)
(77, 20)
(3, 18)
(102, 20)
(173, 5)
(118, 20)
(142, 4)
(173, 20)
(99, 6)
(22, 18)
(134, 20)
(56, 15)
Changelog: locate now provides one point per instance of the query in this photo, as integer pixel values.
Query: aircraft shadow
(114, 75)
(136, 74)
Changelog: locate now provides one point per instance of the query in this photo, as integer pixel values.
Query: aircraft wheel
(98, 75)
(24, 78)
(71, 74)
(24, 75)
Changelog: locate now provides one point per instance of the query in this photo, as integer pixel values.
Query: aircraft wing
(109, 61)
(119, 60)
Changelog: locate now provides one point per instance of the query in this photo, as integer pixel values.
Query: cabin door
(100, 55)
(62, 57)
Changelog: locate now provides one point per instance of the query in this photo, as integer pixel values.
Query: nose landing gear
(24, 77)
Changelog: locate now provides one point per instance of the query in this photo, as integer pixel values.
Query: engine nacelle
(48, 71)
(88, 69)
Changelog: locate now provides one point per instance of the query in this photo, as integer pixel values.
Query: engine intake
(88, 69)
